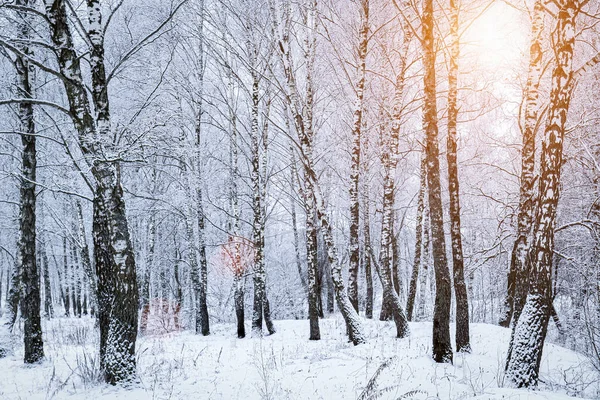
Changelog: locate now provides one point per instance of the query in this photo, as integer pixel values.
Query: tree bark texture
(527, 342)
(518, 275)
(356, 144)
(442, 346)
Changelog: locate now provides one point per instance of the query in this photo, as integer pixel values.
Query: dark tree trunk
(48, 306)
(30, 277)
(76, 279)
(238, 298)
(442, 346)
(66, 280)
(315, 308)
(527, 342)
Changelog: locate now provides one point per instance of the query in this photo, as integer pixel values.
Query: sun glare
(496, 38)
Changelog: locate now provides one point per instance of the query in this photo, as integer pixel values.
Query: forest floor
(181, 365)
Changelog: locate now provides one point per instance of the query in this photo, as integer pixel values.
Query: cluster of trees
(169, 151)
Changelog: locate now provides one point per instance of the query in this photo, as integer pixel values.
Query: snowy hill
(287, 366)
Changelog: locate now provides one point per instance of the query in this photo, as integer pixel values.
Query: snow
(182, 365)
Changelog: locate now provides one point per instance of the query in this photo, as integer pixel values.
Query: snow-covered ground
(287, 366)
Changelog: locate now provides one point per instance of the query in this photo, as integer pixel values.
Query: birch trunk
(390, 162)
(442, 347)
(367, 237)
(302, 117)
(87, 263)
(525, 351)
(238, 278)
(460, 289)
(519, 267)
(115, 264)
(44, 268)
(30, 277)
(149, 261)
(203, 264)
(258, 228)
(293, 178)
(412, 292)
(67, 284)
(356, 144)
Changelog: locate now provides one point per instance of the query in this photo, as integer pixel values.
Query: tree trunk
(87, 263)
(48, 306)
(302, 117)
(314, 291)
(425, 276)
(367, 240)
(263, 210)
(525, 351)
(66, 280)
(76, 279)
(178, 292)
(115, 264)
(304, 129)
(202, 300)
(412, 291)
(518, 275)
(238, 273)
(442, 347)
(355, 169)
(238, 282)
(149, 261)
(293, 177)
(389, 158)
(30, 277)
(257, 226)
(194, 276)
(460, 289)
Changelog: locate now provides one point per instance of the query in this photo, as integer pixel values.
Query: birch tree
(527, 343)
(357, 126)
(460, 288)
(442, 347)
(519, 268)
(30, 277)
(302, 116)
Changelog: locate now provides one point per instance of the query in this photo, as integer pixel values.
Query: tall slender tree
(518, 282)
(389, 159)
(460, 289)
(412, 291)
(357, 125)
(302, 117)
(30, 276)
(442, 347)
